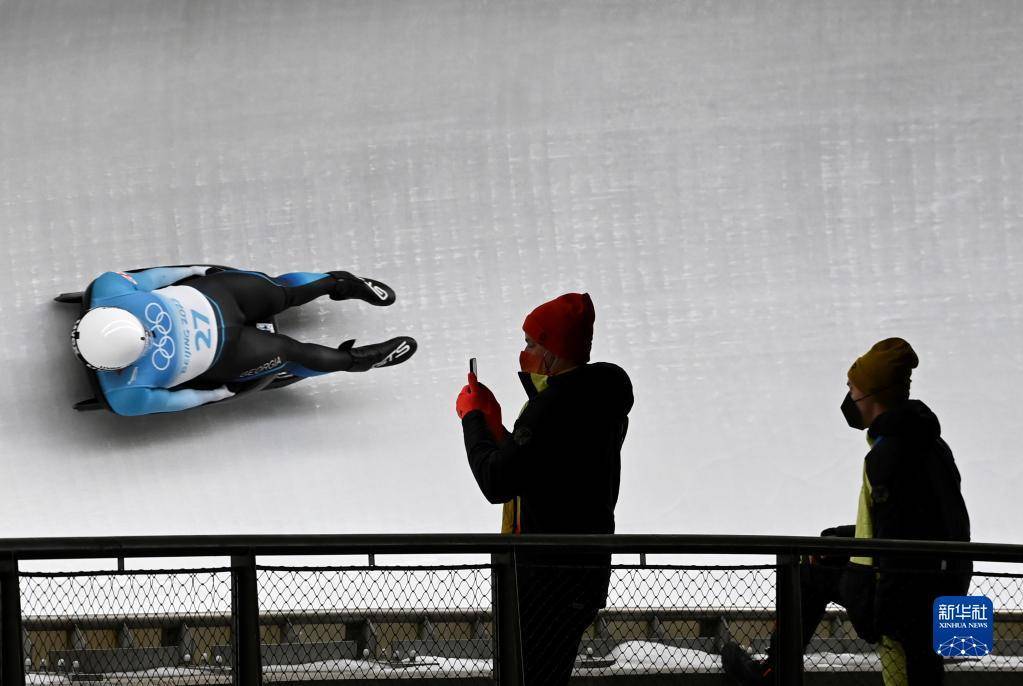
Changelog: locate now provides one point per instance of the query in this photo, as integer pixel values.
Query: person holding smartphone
(556, 472)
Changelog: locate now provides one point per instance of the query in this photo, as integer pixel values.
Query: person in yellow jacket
(910, 490)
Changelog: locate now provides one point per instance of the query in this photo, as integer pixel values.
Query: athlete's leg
(253, 353)
(259, 296)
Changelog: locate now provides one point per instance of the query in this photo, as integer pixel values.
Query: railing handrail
(456, 544)
(116, 620)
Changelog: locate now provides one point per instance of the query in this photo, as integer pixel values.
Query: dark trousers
(246, 298)
(554, 614)
(835, 582)
(923, 665)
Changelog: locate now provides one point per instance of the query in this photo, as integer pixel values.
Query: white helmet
(109, 338)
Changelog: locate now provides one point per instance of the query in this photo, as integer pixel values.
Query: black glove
(835, 560)
(843, 531)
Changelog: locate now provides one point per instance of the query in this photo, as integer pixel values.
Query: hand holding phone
(476, 396)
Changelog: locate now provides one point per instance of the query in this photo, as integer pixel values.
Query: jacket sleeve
(887, 499)
(502, 471)
(888, 502)
(133, 402)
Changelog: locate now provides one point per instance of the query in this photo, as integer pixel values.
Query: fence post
(248, 664)
(789, 667)
(13, 672)
(507, 636)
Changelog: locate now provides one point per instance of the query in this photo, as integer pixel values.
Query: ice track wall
(752, 193)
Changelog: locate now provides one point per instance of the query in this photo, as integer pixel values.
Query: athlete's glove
(476, 396)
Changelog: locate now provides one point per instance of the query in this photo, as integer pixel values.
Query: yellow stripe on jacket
(864, 521)
(511, 511)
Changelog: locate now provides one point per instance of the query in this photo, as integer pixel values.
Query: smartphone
(472, 365)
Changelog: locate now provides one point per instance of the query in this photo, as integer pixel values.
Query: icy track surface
(753, 194)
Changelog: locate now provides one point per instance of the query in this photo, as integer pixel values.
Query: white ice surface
(752, 193)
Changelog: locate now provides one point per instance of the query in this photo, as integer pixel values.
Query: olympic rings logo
(161, 321)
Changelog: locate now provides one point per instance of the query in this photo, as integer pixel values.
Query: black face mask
(851, 412)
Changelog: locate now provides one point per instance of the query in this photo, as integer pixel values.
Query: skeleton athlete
(147, 333)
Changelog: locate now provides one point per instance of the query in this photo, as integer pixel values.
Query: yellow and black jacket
(911, 490)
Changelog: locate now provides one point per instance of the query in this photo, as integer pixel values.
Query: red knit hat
(564, 326)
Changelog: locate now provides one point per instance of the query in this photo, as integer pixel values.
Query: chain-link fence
(658, 619)
(896, 611)
(590, 621)
(125, 626)
(1006, 592)
(376, 622)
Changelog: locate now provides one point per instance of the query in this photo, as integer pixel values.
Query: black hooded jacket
(563, 458)
(915, 485)
(914, 494)
(563, 461)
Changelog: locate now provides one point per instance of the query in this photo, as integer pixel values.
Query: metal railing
(342, 624)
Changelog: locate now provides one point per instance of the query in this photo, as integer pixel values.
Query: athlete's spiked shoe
(349, 286)
(377, 355)
(743, 669)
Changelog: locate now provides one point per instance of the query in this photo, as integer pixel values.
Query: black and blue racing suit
(204, 334)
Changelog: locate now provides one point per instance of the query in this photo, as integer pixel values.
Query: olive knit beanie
(884, 370)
